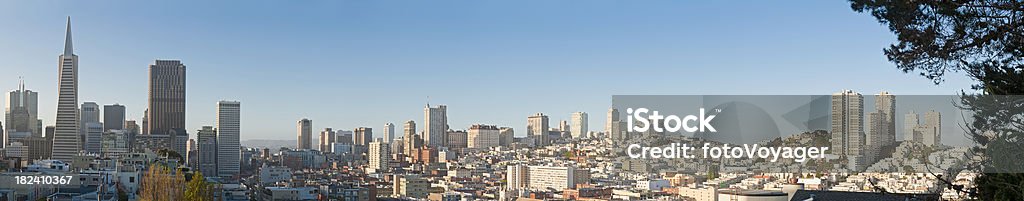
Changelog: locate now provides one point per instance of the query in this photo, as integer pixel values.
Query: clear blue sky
(345, 64)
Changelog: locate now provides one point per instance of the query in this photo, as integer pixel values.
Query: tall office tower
(563, 126)
(362, 136)
(483, 136)
(192, 153)
(506, 136)
(457, 139)
(407, 137)
(537, 128)
(90, 112)
(910, 121)
(113, 117)
(343, 137)
(131, 126)
(847, 122)
(166, 109)
(145, 122)
(380, 156)
(437, 125)
(305, 134)
(579, 126)
(933, 122)
(389, 132)
(613, 118)
(207, 151)
(65, 135)
(881, 126)
(327, 136)
(848, 127)
(885, 105)
(229, 125)
(22, 111)
(93, 137)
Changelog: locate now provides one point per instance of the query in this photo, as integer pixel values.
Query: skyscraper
(362, 136)
(437, 125)
(579, 124)
(327, 136)
(93, 137)
(408, 136)
(90, 112)
(65, 139)
(848, 127)
(380, 156)
(613, 118)
(22, 111)
(113, 117)
(305, 134)
(208, 157)
(885, 105)
(166, 109)
(229, 124)
(881, 126)
(389, 132)
(537, 128)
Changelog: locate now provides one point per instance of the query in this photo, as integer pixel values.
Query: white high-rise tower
(389, 132)
(228, 132)
(436, 129)
(579, 125)
(65, 135)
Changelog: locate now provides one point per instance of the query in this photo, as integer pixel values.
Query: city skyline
(102, 41)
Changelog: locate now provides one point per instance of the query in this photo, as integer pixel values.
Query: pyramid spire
(68, 50)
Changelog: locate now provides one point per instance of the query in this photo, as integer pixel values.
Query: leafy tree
(160, 184)
(171, 154)
(198, 189)
(983, 39)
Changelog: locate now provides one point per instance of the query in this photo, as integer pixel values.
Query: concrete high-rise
(166, 109)
(613, 118)
(165, 114)
(207, 154)
(113, 117)
(436, 126)
(389, 132)
(482, 136)
(93, 137)
(578, 125)
(928, 133)
(457, 139)
(408, 137)
(229, 125)
(537, 128)
(22, 111)
(362, 136)
(305, 134)
(380, 156)
(65, 135)
(910, 121)
(881, 125)
(327, 137)
(90, 112)
(848, 137)
(885, 105)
